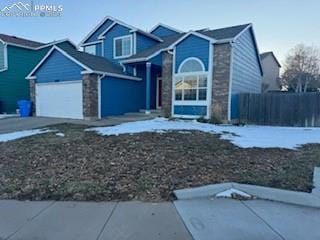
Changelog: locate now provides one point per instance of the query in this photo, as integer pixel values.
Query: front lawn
(83, 165)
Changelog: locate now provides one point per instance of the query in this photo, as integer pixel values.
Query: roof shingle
(95, 63)
(225, 33)
(217, 34)
(20, 41)
(167, 41)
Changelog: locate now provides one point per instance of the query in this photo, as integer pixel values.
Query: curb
(202, 192)
(259, 192)
(316, 181)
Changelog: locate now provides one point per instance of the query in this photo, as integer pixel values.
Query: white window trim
(192, 102)
(5, 68)
(188, 59)
(175, 102)
(185, 74)
(114, 47)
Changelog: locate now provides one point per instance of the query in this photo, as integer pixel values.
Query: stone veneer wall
(90, 96)
(32, 88)
(167, 60)
(221, 79)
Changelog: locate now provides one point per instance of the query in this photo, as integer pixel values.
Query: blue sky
(278, 24)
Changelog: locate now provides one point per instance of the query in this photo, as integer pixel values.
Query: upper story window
(91, 49)
(191, 81)
(122, 47)
(3, 57)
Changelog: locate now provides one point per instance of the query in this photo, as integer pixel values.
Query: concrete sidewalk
(90, 221)
(205, 219)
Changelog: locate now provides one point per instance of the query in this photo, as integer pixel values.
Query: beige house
(271, 72)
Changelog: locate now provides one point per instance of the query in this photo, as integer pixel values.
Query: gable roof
(132, 29)
(155, 49)
(20, 41)
(225, 33)
(220, 35)
(116, 21)
(265, 54)
(91, 63)
(165, 26)
(29, 44)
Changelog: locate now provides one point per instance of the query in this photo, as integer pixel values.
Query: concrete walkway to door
(14, 124)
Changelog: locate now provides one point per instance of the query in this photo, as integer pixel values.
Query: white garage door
(60, 100)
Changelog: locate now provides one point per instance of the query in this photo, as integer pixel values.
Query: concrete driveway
(18, 124)
(14, 124)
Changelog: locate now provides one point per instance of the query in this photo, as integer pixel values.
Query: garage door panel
(61, 100)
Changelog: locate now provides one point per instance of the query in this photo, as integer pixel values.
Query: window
(122, 47)
(91, 49)
(191, 82)
(191, 88)
(3, 57)
(191, 65)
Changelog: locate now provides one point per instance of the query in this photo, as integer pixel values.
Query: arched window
(191, 81)
(191, 65)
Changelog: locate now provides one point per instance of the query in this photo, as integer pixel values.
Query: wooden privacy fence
(280, 109)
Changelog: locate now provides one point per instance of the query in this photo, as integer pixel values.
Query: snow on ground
(21, 134)
(60, 134)
(245, 137)
(230, 192)
(3, 116)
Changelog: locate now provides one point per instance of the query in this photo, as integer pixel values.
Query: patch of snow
(60, 134)
(21, 134)
(160, 131)
(230, 192)
(242, 136)
(3, 116)
(184, 132)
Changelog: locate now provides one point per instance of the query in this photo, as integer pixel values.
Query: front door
(159, 92)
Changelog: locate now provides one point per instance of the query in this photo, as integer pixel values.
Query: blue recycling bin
(24, 108)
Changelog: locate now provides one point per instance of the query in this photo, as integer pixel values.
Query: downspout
(230, 80)
(148, 87)
(123, 67)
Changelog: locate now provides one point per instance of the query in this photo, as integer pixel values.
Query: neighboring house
(125, 69)
(18, 57)
(271, 72)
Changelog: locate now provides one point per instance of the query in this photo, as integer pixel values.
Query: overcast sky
(278, 24)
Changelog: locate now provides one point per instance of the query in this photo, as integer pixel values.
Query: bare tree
(302, 68)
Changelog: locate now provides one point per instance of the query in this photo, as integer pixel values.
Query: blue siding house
(125, 69)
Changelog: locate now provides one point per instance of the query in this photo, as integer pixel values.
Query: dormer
(163, 30)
